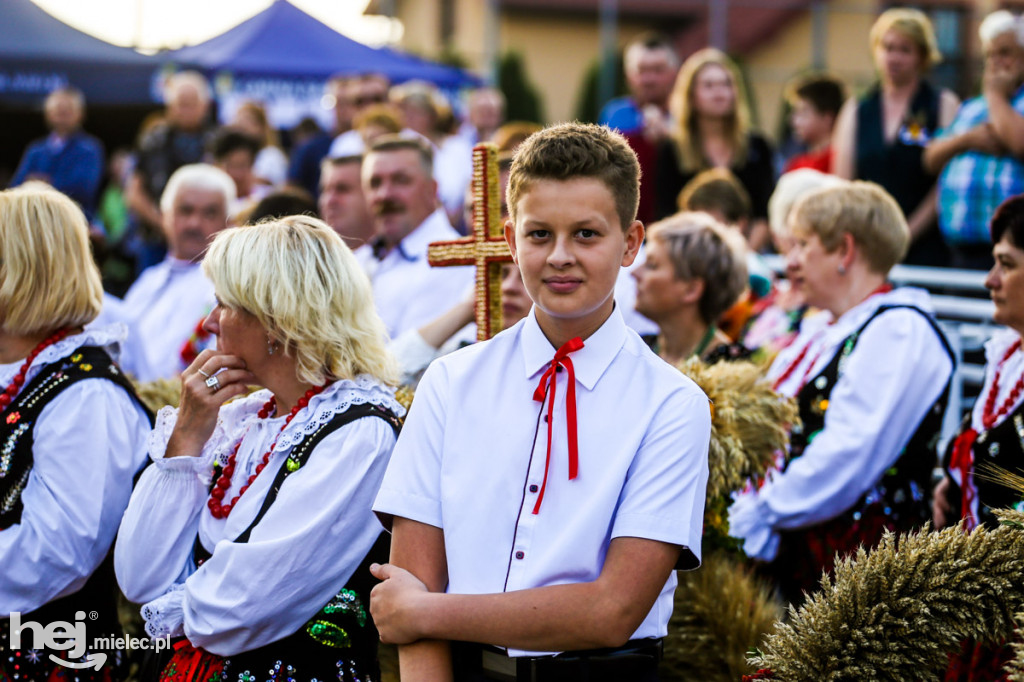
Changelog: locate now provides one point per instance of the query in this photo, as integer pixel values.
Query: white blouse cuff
(747, 522)
(166, 418)
(165, 615)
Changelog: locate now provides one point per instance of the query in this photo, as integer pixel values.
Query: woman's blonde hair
(699, 247)
(863, 210)
(790, 187)
(685, 135)
(913, 25)
(302, 283)
(48, 279)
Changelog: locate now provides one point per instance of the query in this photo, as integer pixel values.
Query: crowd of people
(545, 485)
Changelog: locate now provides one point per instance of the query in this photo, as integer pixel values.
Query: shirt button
(519, 555)
(545, 419)
(558, 368)
(533, 488)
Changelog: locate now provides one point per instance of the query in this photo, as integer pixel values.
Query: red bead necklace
(989, 415)
(223, 484)
(884, 288)
(19, 379)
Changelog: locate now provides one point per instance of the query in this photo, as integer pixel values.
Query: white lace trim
(165, 615)
(336, 398)
(99, 336)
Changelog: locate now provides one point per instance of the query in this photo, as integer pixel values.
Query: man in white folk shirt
(402, 194)
(166, 303)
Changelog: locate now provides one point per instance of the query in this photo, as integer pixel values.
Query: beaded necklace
(989, 415)
(962, 457)
(883, 289)
(223, 484)
(19, 379)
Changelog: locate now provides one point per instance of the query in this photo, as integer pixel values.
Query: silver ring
(213, 383)
(204, 373)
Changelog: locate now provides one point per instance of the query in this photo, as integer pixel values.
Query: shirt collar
(589, 363)
(177, 265)
(435, 228)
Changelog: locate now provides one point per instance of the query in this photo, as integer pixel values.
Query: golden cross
(486, 247)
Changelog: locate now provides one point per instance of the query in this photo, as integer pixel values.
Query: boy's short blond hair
(863, 210)
(48, 279)
(578, 150)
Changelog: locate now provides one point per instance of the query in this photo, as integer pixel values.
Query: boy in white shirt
(550, 494)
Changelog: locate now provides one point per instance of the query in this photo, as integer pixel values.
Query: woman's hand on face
(211, 380)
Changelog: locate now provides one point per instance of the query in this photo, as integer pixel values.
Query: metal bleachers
(964, 312)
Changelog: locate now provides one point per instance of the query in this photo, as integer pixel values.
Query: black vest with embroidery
(1001, 446)
(897, 502)
(340, 641)
(904, 487)
(98, 597)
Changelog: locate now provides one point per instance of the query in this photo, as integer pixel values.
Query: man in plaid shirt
(980, 153)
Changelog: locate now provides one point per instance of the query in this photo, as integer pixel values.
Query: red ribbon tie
(962, 460)
(550, 379)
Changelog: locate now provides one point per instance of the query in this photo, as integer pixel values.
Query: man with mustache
(401, 191)
(169, 298)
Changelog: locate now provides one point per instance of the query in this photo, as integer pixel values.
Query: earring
(842, 269)
(271, 346)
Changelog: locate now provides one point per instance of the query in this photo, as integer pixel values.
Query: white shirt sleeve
(663, 497)
(154, 543)
(306, 548)
(412, 487)
(894, 375)
(413, 354)
(88, 445)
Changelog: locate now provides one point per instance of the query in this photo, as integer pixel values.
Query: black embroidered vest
(904, 487)
(98, 597)
(340, 641)
(897, 502)
(1001, 446)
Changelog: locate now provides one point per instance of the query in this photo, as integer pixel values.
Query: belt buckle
(498, 666)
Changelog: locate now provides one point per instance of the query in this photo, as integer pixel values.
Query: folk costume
(871, 388)
(71, 434)
(992, 433)
(600, 439)
(265, 573)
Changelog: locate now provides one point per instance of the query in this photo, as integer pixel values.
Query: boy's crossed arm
(420, 548)
(597, 614)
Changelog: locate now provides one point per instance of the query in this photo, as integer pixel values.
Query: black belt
(636, 661)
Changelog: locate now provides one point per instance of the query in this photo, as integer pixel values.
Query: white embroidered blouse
(298, 556)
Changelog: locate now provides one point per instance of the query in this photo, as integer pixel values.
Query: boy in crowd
(540, 499)
(815, 102)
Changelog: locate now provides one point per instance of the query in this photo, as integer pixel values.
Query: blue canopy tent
(283, 53)
(38, 53)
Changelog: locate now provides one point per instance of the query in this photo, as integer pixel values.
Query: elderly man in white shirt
(170, 299)
(402, 194)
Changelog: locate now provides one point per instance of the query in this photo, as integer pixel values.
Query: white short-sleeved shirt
(471, 457)
(407, 291)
